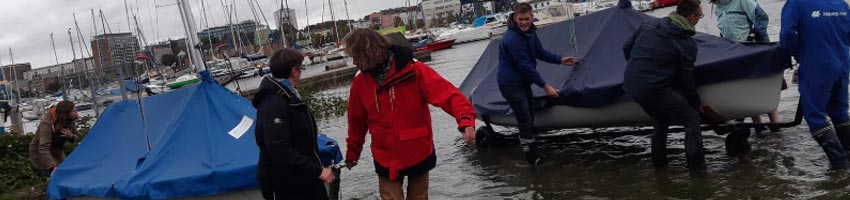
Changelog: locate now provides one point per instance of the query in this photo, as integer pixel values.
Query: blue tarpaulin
(191, 151)
(597, 81)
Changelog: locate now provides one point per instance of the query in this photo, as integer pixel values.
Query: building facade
(439, 9)
(222, 34)
(289, 17)
(111, 51)
(19, 69)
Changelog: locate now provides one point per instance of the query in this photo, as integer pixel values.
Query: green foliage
(18, 179)
(168, 59)
(324, 106)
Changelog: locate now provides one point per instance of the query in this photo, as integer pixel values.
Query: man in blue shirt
(518, 53)
(817, 34)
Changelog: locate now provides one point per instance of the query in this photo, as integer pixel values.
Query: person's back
(659, 77)
(659, 49)
(735, 18)
(817, 33)
(824, 25)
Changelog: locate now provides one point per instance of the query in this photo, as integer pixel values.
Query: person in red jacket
(389, 99)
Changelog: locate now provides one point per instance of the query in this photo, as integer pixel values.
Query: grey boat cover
(597, 80)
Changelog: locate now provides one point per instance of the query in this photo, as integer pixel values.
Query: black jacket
(286, 134)
(661, 60)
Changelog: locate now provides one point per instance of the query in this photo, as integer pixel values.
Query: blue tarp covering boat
(597, 81)
(193, 150)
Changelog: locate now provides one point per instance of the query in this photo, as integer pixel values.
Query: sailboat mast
(350, 26)
(191, 34)
(288, 18)
(60, 75)
(112, 62)
(307, 20)
(14, 74)
(336, 30)
(86, 66)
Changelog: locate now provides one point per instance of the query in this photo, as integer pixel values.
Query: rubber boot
(842, 130)
(659, 146)
(829, 141)
(532, 156)
(737, 142)
(694, 152)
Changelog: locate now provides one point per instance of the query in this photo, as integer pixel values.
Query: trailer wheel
(484, 137)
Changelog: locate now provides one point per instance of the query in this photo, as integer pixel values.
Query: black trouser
(308, 190)
(672, 109)
(519, 98)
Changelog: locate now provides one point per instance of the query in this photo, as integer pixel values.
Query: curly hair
(367, 47)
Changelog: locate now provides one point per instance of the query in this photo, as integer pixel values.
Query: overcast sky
(27, 24)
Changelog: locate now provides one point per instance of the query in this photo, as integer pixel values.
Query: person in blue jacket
(518, 53)
(817, 34)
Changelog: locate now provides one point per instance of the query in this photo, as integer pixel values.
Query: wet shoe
(759, 129)
(737, 142)
(532, 156)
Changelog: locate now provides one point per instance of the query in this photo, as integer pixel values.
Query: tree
(397, 21)
(420, 23)
(168, 59)
(53, 87)
(317, 39)
(451, 18)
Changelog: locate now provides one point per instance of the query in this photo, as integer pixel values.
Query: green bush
(18, 179)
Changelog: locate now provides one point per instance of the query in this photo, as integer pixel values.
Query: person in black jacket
(659, 77)
(286, 132)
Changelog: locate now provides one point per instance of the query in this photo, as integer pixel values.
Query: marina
(192, 122)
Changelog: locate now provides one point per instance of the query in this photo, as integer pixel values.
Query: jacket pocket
(411, 134)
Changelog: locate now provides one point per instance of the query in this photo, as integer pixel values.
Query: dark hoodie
(661, 56)
(286, 135)
(518, 54)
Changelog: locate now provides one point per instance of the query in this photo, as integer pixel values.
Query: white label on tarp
(242, 127)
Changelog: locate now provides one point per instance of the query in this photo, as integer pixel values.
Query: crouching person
(659, 77)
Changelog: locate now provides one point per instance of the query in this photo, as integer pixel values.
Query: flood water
(783, 165)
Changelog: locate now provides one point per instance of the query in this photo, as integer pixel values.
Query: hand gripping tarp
(597, 81)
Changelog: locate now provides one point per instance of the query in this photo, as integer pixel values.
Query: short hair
(522, 8)
(688, 7)
(366, 45)
(283, 60)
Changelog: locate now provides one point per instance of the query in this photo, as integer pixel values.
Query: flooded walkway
(784, 165)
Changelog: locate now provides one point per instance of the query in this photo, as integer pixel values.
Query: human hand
(327, 175)
(469, 134)
(66, 133)
(350, 163)
(569, 61)
(551, 91)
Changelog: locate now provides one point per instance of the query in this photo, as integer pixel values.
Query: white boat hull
(732, 100)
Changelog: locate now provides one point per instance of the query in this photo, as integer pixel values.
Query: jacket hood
(401, 56)
(269, 86)
(47, 117)
(667, 28)
(512, 25)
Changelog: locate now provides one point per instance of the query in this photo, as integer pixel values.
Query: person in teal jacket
(736, 18)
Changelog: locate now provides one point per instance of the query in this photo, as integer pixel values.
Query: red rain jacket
(396, 113)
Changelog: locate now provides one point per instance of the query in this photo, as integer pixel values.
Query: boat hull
(437, 45)
(732, 100)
